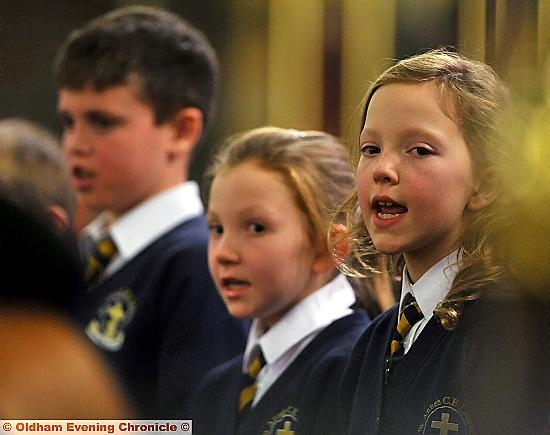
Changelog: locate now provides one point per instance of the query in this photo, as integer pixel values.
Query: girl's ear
(188, 126)
(485, 192)
(338, 235)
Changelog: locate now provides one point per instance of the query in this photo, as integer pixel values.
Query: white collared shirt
(139, 227)
(429, 290)
(284, 341)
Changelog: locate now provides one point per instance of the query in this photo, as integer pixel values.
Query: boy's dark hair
(172, 62)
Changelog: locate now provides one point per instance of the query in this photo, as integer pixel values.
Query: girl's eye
(256, 228)
(421, 151)
(215, 229)
(369, 150)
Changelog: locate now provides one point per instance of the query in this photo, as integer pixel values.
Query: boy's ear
(188, 127)
(338, 235)
(485, 192)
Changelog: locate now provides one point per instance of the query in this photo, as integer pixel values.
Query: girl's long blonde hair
(480, 101)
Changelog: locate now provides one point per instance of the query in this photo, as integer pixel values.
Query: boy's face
(260, 254)
(116, 154)
(415, 176)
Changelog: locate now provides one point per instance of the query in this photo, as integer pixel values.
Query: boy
(135, 93)
(32, 170)
(34, 182)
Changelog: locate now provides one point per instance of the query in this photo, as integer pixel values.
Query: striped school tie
(98, 259)
(248, 390)
(410, 315)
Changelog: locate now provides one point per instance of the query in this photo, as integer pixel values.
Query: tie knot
(106, 247)
(407, 300)
(410, 315)
(248, 391)
(98, 259)
(255, 363)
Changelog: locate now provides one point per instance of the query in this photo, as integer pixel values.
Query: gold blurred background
(293, 63)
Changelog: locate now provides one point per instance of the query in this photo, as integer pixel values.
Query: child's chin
(238, 311)
(387, 248)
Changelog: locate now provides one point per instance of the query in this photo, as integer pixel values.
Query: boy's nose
(75, 142)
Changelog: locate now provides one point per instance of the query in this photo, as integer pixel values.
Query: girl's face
(415, 176)
(260, 253)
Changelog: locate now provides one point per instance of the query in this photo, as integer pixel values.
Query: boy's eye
(215, 228)
(256, 228)
(102, 121)
(67, 121)
(369, 150)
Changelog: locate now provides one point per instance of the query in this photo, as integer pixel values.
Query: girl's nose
(224, 252)
(385, 170)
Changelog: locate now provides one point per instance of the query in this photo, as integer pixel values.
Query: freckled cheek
(417, 178)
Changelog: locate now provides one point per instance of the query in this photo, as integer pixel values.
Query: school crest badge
(107, 328)
(283, 423)
(445, 416)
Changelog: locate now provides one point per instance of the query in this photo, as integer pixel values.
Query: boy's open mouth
(234, 283)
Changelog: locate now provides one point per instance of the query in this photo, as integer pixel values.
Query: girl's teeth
(386, 215)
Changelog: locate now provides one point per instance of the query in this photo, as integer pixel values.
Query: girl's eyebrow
(210, 214)
(434, 136)
(373, 134)
(367, 133)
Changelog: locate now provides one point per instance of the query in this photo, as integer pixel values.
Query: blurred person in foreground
(33, 177)
(48, 369)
